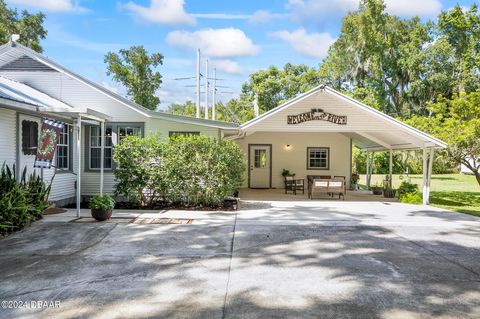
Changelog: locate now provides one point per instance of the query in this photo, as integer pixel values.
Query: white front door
(260, 169)
(28, 131)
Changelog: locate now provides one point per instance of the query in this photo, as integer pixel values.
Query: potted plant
(354, 181)
(101, 207)
(389, 192)
(377, 190)
(286, 172)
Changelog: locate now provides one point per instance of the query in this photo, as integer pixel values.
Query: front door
(260, 166)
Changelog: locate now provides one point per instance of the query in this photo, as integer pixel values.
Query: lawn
(457, 192)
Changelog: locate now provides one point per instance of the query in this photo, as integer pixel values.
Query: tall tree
(134, 68)
(273, 86)
(28, 26)
(456, 121)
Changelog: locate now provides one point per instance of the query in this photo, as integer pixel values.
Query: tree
(134, 68)
(274, 86)
(457, 122)
(399, 65)
(28, 26)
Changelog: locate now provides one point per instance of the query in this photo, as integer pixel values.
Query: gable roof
(15, 51)
(361, 135)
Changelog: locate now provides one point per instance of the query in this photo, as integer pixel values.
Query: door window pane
(260, 158)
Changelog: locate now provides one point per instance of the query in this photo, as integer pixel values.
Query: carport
(313, 134)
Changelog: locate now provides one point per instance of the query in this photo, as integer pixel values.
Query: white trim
(390, 119)
(426, 138)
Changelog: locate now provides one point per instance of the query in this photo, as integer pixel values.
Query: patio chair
(292, 184)
(311, 178)
(337, 187)
(319, 187)
(344, 179)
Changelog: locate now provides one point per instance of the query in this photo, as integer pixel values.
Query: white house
(311, 134)
(33, 86)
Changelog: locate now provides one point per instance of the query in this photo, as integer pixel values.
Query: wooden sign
(317, 115)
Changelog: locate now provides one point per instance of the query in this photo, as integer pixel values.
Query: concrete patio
(271, 259)
(278, 194)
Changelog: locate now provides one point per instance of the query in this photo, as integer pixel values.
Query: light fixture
(288, 146)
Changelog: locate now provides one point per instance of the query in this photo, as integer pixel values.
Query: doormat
(143, 220)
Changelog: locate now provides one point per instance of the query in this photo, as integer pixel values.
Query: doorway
(260, 165)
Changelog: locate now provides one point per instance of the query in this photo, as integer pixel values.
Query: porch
(278, 194)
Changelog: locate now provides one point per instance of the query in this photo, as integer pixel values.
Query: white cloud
(52, 5)
(169, 12)
(308, 10)
(313, 45)
(220, 43)
(222, 16)
(228, 66)
(424, 8)
(264, 16)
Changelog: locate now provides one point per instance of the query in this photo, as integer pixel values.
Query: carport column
(424, 171)
(102, 154)
(368, 170)
(79, 161)
(390, 168)
(429, 177)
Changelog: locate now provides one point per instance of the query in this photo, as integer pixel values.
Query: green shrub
(137, 159)
(192, 170)
(200, 170)
(411, 198)
(407, 187)
(20, 201)
(102, 202)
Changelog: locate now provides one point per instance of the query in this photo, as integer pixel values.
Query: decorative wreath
(47, 141)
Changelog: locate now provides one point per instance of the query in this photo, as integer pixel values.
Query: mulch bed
(53, 210)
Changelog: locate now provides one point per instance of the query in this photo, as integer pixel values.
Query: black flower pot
(377, 190)
(389, 193)
(101, 215)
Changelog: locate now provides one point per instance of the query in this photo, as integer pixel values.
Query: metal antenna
(198, 85)
(214, 92)
(206, 89)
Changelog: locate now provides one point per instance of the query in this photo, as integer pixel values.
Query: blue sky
(238, 37)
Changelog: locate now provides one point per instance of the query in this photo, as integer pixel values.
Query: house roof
(13, 51)
(368, 128)
(20, 92)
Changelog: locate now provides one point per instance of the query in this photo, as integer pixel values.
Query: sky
(237, 37)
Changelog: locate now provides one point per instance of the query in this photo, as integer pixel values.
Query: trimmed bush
(189, 171)
(20, 201)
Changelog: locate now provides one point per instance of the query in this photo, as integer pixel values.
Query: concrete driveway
(269, 260)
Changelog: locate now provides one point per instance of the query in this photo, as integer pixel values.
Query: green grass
(456, 192)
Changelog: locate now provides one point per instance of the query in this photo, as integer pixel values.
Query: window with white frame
(318, 158)
(95, 148)
(62, 154)
(124, 131)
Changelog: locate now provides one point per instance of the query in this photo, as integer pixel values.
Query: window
(185, 133)
(260, 159)
(95, 148)
(29, 137)
(62, 155)
(124, 131)
(318, 158)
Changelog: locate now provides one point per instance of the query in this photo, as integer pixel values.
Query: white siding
(294, 159)
(8, 127)
(163, 127)
(359, 121)
(76, 94)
